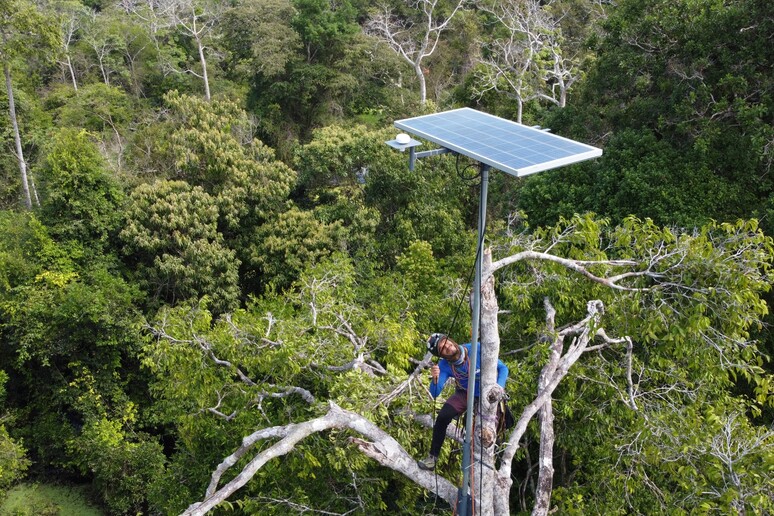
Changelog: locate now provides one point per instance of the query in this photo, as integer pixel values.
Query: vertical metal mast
(513, 148)
(466, 508)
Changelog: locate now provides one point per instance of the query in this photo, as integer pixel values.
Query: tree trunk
(422, 83)
(490, 487)
(203, 62)
(72, 72)
(496, 485)
(546, 415)
(17, 138)
(491, 393)
(102, 69)
(546, 467)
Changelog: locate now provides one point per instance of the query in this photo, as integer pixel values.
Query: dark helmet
(433, 342)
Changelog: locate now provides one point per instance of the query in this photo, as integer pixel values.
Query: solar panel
(502, 144)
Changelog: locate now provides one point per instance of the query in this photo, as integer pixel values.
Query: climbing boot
(428, 463)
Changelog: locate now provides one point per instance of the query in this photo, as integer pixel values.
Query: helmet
(433, 342)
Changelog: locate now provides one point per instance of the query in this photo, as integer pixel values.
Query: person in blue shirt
(454, 363)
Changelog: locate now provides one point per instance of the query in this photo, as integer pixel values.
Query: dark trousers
(454, 406)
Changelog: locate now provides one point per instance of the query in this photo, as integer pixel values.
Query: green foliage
(339, 156)
(259, 38)
(210, 147)
(124, 463)
(98, 108)
(347, 262)
(213, 150)
(26, 31)
(171, 235)
(324, 28)
(685, 128)
(26, 36)
(327, 70)
(47, 500)
(321, 336)
(25, 249)
(691, 332)
(62, 322)
(64, 316)
(106, 47)
(422, 205)
(13, 460)
(424, 280)
(418, 207)
(286, 246)
(80, 200)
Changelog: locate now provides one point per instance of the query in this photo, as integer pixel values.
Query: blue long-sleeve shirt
(460, 373)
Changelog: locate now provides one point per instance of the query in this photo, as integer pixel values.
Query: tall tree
(172, 239)
(235, 184)
(213, 148)
(105, 111)
(259, 38)
(103, 38)
(194, 19)
(679, 95)
(658, 316)
(530, 61)
(80, 199)
(415, 36)
(24, 31)
(324, 27)
(72, 17)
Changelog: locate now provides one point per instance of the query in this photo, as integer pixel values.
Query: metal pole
(467, 488)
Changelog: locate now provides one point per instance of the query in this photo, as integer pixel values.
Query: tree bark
(552, 374)
(417, 47)
(203, 62)
(546, 414)
(491, 392)
(382, 448)
(17, 137)
(422, 82)
(491, 487)
(546, 468)
(72, 72)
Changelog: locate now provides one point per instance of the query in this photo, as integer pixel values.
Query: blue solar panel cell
(505, 145)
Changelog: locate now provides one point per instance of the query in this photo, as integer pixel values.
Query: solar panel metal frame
(516, 134)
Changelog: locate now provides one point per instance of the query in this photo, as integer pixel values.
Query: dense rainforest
(203, 237)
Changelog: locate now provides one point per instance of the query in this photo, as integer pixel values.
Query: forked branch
(380, 446)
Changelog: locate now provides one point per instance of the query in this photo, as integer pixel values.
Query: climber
(455, 360)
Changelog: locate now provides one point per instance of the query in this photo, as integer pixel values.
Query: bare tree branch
(388, 398)
(580, 266)
(412, 41)
(382, 448)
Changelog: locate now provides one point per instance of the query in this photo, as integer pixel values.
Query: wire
(459, 305)
(467, 284)
(435, 469)
(481, 452)
(461, 173)
(479, 246)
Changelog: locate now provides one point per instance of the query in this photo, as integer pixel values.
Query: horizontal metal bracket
(413, 155)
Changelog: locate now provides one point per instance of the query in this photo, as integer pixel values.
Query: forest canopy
(211, 263)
